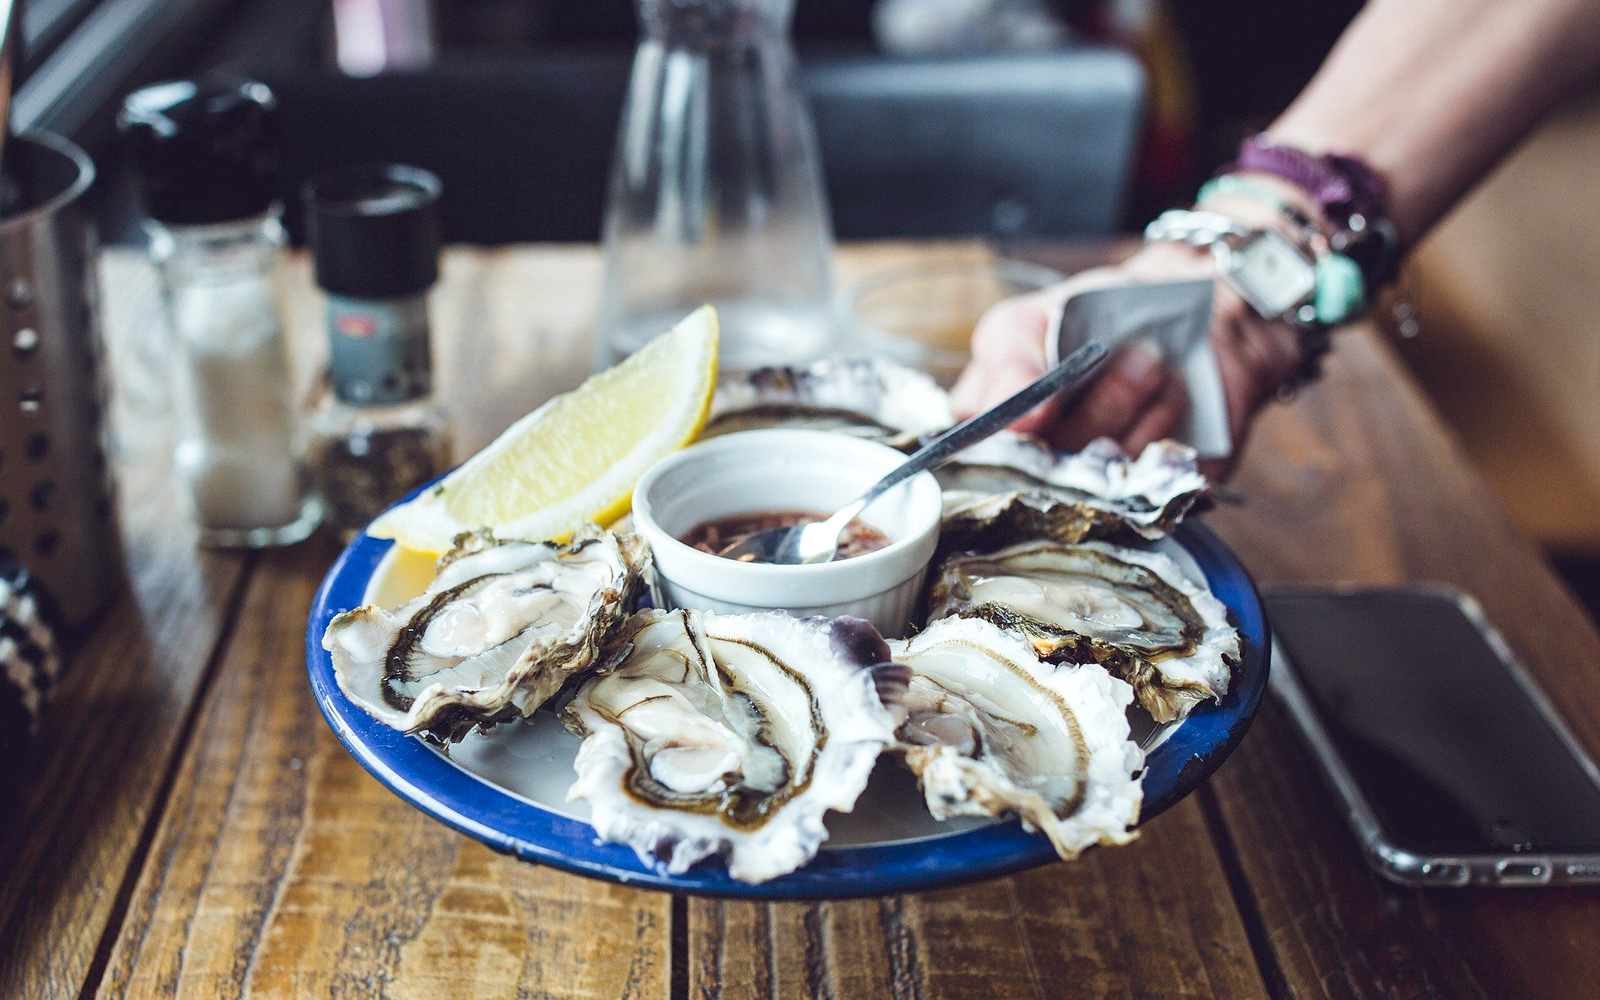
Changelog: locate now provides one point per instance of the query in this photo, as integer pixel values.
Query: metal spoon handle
(941, 449)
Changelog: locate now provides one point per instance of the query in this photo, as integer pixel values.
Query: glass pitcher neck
(707, 22)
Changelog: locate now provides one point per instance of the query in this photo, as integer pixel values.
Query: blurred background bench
(1009, 145)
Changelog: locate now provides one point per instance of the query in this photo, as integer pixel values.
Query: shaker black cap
(208, 150)
(374, 230)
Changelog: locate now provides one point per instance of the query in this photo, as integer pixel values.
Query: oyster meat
(991, 730)
(1131, 610)
(496, 634)
(733, 735)
(863, 396)
(1014, 486)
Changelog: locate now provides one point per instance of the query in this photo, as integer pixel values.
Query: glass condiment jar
(378, 432)
(208, 157)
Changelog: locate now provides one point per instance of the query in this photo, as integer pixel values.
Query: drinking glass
(922, 314)
(716, 189)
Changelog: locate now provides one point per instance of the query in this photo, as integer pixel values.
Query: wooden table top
(195, 830)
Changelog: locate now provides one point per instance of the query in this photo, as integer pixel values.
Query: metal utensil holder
(56, 506)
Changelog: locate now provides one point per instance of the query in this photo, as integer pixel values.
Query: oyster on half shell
(1134, 611)
(1013, 486)
(494, 636)
(991, 730)
(862, 396)
(733, 734)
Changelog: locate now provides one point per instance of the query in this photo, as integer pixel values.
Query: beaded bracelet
(1349, 194)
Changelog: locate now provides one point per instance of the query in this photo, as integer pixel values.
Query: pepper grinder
(378, 433)
(208, 153)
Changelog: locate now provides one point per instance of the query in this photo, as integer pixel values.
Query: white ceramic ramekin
(770, 470)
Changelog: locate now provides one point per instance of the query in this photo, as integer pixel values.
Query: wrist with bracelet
(1308, 271)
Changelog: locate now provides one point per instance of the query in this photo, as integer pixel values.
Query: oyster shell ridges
(733, 735)
(991, 730)
(494, 636)
(1012, 487)
(1131, 610)
(864, 396)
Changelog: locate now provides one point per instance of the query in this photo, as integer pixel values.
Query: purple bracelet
(1342, 186)
(1348, 193)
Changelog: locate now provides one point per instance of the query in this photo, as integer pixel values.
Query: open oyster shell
(496, 634)
(868, 397)
(1133, 611)
(991, 730)
(1012, 486)
(733, 734)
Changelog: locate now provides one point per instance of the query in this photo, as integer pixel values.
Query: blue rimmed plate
(507, 787)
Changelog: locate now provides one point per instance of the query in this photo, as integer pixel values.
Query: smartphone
(1451, 765)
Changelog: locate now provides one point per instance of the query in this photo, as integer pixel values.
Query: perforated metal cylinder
(56, 501)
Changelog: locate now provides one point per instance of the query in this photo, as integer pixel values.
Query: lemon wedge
(577, 457)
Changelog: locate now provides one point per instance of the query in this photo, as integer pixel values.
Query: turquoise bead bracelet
(1224, 185)
(1341, 289)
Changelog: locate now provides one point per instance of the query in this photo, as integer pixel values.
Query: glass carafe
(716, 189)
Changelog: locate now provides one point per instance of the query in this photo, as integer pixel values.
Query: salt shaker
(378, 433)
(208, 154)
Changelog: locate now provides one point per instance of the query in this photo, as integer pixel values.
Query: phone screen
(1442, 739)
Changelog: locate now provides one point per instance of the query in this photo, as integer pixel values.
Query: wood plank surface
(512, 325)
(1360, 482)
(108, 743)
(282, 869)
(1151, 919)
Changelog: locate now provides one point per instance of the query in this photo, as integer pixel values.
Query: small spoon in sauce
(817, 541)
(720, 534)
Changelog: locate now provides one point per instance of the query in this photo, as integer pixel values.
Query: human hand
(1137, 398)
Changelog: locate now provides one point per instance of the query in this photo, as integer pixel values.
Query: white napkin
(1173, 317)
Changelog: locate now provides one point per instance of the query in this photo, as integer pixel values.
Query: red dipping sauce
(719, 534)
